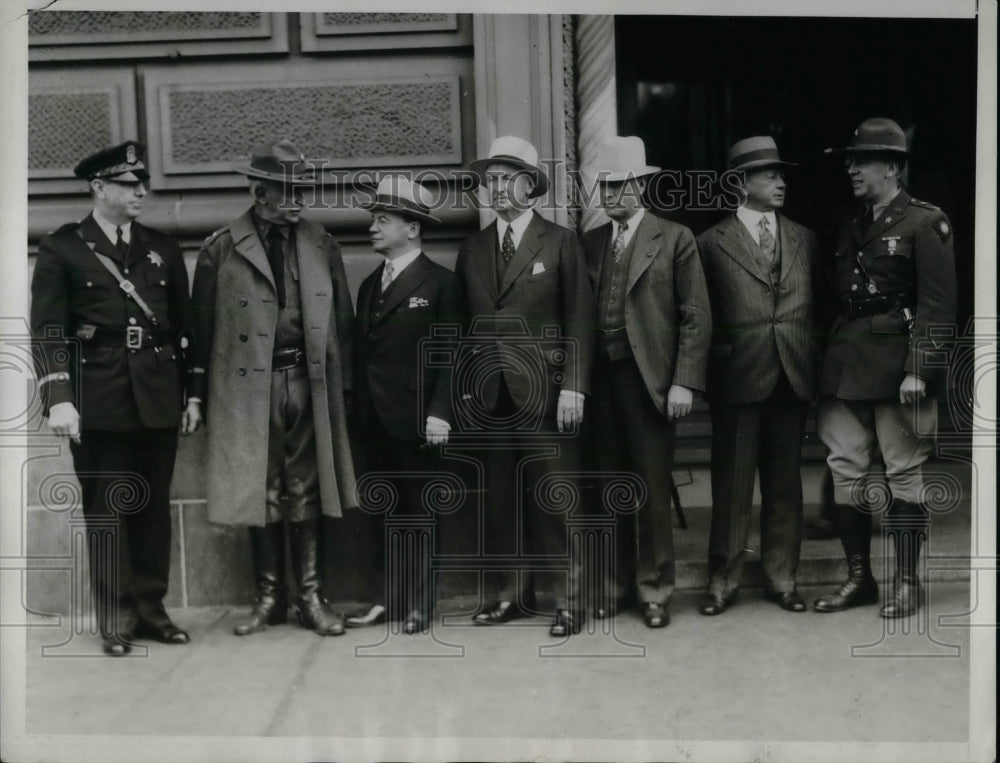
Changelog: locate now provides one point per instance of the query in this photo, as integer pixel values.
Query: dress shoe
(116, 645)
(566, 623)
(715, 605)
(655, 615)
(165, 633)
(501, 612)
(415, 623)
(788, 600)
(373, 616)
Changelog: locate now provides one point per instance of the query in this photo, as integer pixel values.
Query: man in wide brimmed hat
(895, 278)
(401, 404)
(653, 329)
(761, 269)
(120, 290)
(525, 290)
(274, 361)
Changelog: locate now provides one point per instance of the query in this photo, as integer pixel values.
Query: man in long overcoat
(274, 351)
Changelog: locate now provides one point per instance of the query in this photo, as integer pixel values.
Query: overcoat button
(243, 303)
(243, 372)
(131, 321)
(90, 283)
(854, 287)
(243, 337)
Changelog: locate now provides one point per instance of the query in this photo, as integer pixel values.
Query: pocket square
(418, 302)
(537, 268)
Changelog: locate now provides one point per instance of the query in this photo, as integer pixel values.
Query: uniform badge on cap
(155, 258)
(130, 156)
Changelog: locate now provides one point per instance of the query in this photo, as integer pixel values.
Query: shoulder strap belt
(123, 283)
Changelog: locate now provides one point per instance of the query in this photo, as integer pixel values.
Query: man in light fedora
(761, 273)
(401, 404)
(274, 360)
(895, 278)
(524, 288)
(653, 332)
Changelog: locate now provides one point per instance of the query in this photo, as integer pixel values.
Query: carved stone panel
(202, 121)
(63, 35)
(72, 114)
(323, 32)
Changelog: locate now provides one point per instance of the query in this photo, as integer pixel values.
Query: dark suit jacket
(909, 250)
(112, 388)
(755, 331)
(393, 379)
(667, 315)
(544, 307)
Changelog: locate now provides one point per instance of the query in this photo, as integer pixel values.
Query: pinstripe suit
(761, 376)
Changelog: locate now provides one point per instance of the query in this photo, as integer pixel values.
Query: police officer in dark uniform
(895, 278)
(121, 290)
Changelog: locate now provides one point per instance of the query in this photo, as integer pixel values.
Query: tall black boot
(313, 610)
(855, 527)
(271, 608)
(907, 525)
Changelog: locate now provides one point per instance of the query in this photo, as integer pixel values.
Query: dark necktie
(507, 247)
(276, 258)
(120, 244)
(867, 219)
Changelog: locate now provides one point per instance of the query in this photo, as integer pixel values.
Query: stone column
(596, 97)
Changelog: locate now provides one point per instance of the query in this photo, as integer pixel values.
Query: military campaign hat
(115, 163)
(877, 135)
(280, 161)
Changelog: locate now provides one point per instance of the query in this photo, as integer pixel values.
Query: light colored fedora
(755, 153)
(280, 161)
(510, 149)
(620, 158)
(397, 193)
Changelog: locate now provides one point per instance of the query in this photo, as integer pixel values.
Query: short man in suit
(895, 278)
(760, 268)
(401, 404)
(653, 332)
(121, 290)
(275, 341)
(520, 273)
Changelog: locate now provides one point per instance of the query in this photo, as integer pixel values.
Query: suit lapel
(404, 285)
(366, 297)
(98, 242)
(892, 214)
(645, 246)
(736, 242)
(531, 242)
(315, 288)
(483, 251)
(247, 244)
(602, 253)
(790, 246)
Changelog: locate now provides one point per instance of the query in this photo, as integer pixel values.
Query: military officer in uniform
(121, 290)
(272, 366)
(895, 278)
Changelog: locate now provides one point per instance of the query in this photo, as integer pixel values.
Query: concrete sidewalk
(755, 673)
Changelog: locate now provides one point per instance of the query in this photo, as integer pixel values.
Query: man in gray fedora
(761, 273)
(273, 362)
(653, 321)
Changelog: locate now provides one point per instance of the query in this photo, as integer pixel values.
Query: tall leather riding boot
(855, 528)
(313, 610)
(271, 607)
(907, 526)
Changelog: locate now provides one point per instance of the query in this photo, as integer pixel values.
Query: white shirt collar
(751, 220)
(402, 262)
(633, 226)
(878, 209)
(110, 229)
(517, 227)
